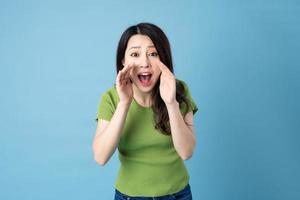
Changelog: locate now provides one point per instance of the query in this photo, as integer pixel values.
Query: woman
(148, 116)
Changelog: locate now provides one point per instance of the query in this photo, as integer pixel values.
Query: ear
(123, 62)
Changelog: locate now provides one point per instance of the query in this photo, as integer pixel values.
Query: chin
(145, 89)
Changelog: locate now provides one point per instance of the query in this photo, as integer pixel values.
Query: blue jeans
(184, 194)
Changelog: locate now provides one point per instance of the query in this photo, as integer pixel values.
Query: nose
(144, 62)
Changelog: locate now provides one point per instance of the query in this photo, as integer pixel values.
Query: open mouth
(145, 78)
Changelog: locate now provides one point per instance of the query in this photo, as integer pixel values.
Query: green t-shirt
(150, 165)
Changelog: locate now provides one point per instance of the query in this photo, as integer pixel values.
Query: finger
(124, 74)
(123, 79)
(121, 75)
(130, 69)
(127, 75)
(118, 81)
(165, 72)
(128, 66)
(122, 71)
(127, 71)
(168, 72)
(167, 76)
(159, 64)
(162, 66)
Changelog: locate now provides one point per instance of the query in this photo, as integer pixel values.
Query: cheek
(128, 59)
(156, 75)
(155, 66)
(156, 70)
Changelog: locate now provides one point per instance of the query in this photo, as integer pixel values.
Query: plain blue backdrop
(240, 59)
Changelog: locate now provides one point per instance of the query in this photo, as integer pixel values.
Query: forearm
(183, 137)
(106, 143)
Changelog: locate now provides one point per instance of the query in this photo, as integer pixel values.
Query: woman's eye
(133, 54)
(155, 54)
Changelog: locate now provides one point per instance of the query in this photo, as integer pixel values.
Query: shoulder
(111, 95)
(107, 105)
(112, 91)
(181, 85)
(186, 101)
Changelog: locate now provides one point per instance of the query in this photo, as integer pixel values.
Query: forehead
(139, 41)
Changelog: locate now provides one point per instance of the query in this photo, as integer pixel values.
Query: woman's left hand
(167, 87)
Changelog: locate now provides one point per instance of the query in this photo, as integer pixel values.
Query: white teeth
(145, 73)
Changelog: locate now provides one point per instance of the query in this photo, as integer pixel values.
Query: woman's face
(141, 51)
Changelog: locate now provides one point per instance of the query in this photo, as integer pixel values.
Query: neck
(142, 98)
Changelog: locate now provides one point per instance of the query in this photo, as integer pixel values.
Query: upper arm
(105, 111)
(101, 126)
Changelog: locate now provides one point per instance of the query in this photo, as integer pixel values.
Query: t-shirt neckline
(140, 106)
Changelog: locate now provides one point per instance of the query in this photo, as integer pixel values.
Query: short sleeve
(192, 105)
(105, 108)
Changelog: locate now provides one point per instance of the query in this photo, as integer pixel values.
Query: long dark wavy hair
(162, 46)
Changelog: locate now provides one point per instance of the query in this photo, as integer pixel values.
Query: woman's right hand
(124, 84)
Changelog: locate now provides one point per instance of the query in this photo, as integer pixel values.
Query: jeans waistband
(181, 192)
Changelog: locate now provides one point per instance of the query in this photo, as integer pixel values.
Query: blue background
(239, 58)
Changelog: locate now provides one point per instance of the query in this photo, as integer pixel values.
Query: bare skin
(141, 57)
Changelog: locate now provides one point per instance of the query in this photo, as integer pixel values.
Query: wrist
(124, 103)
(172, 105)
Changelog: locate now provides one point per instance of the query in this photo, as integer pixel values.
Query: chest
(139, 132)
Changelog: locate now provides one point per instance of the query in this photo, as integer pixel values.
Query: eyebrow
(135, 47)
